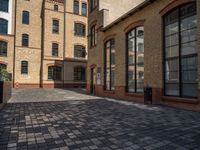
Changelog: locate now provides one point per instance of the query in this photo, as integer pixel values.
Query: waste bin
(147, 95)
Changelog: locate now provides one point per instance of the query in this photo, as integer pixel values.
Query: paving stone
(48, 121)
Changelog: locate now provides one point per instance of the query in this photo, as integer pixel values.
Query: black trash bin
(148, 95)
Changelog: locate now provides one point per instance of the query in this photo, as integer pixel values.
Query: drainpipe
(14, 57)
(64, 45)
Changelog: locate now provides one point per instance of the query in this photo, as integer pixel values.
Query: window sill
(180, 100)
(93, 46)
(134, 94)
(109, 92)
(3, 56)
(81, 36)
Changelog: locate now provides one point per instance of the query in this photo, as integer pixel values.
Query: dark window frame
(79, 73)
(4, 7)
(76, 7)
(79, 29)
(179, 57)
(55, 73)
(84, 9)
(55, 49)
(3, 48)
(135, 63)
(79, 51)
(55, 7)
(93, 36)
(24, 67)
(111, 80)
(3, 26)
(25, 17)
(93, 4)
(55, 26)
(25, 40)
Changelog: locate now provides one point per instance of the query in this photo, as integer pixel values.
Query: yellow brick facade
(153, 52)
(39, 51)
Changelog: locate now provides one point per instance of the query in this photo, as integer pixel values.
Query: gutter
(64, 45)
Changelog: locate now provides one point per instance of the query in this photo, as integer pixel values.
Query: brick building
(145, 43)
(43, 43)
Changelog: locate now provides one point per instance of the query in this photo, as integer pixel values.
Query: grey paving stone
(47, 119)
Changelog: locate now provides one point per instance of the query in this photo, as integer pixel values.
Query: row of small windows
(180, 55)
(83, 9)
(54, 72)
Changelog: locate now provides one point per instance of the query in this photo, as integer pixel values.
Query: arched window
(56, 7)
(54, 73)
(55, 28)
(25, 40)
(135, 60)
(3, 66)
(4, 5)
(76, 6)
(109, 62)
(3, 48)
(79, 51)
(3, 26)
(180, 51)
(80, 29)
(79, 74)
(55, 48)
(24, 67)
(25, 17)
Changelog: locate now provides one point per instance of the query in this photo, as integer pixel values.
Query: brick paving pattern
(93, 124)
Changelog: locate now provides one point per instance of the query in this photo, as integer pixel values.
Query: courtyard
(70, 119)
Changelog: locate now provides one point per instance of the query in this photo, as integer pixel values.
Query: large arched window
(79, 51)
(4, 5)
(3, 48)
(180, 51)
(54, 73)
(135, 60)
(109, 63)
(3, 26)
(25, 17)
(79, 74)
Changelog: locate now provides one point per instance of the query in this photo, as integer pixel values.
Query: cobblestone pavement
(93, 124)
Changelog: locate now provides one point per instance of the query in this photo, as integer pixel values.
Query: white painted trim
(8, 16)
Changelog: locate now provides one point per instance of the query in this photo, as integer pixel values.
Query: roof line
(129, 13)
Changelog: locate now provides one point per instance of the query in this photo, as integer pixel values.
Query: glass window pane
(140, 79)
(131, 34)
(188, 35)
(172, 40)
(131, 79)
(131, 44)
(3, 26)
(189, 90)
(188, 23)
(171, 28)
(189, 63)
(172, 89)
(188, 10)
(112, 78)
(189, 48)
(172, 17)
(172, 51)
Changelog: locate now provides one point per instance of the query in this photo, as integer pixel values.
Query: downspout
(64, 45)
(42, 43)
(14, 57)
